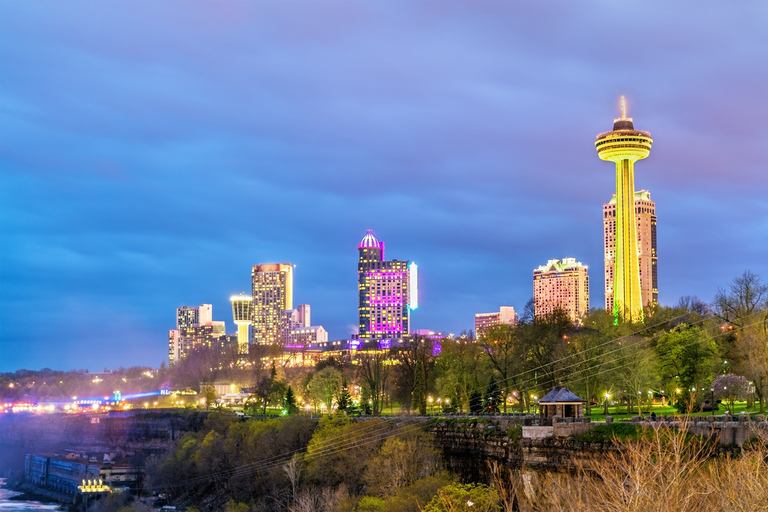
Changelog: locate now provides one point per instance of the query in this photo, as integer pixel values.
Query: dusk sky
(152, 152)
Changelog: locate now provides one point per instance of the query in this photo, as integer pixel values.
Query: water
(8, 505)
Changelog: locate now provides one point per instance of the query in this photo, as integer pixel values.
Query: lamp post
(712, 404)
(607, 397)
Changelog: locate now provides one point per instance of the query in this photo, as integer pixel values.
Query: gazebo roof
(560, 395)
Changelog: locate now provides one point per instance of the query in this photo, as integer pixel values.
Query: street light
(607, 397)
(712, 403)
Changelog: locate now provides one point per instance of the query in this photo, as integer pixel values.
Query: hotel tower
(624, 146)
(272, 292)
(645, 213)
(387, 291)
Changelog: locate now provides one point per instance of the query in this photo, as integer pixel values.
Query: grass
(619, 412)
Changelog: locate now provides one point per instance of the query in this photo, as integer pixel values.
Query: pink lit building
(387, 291)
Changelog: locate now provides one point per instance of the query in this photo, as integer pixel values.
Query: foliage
(373, 371)
(402, 461)
(492, 397)
(460, 497)
(345, 399)
(325, 386)
(476, 402)
(730, 387)
(340, 450)
(289, 402)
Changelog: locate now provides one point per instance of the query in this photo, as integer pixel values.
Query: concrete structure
(561, 285)
(272, 292)
(484, 321)
(387, 291)
(624, 146)
(645, 213)
(242, 312)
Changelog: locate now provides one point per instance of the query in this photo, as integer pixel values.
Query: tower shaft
(624, 145)
(627, 302)
(242, 338)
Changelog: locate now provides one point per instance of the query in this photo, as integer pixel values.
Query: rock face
(50, 433)
(468, 446)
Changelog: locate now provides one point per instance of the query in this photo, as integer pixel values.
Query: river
(9, 505)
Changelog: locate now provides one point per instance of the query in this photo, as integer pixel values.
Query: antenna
(623, 103)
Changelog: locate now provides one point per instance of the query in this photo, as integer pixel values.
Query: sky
(152, 152)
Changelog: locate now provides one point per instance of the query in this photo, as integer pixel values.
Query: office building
(387, 291)
(645, 214)
(561, 285)
(624, 146)
(272, 292)
(484, 321)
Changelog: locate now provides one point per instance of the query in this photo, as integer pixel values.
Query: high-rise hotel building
(272, 292)
(195, 328)
(645, 213)
(561, 285)
(387, 291)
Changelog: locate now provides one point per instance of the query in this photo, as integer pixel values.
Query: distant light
(413, 286)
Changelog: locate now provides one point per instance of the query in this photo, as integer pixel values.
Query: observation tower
(242, 312)
(624, 146)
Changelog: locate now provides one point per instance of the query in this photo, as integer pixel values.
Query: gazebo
(560, 402)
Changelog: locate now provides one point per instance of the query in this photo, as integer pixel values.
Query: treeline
(343, 464)
(689, 354)
(300, 464)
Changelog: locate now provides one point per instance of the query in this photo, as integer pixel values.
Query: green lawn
(619, 412)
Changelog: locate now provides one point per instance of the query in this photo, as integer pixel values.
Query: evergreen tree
(344, 400)
(290, 401)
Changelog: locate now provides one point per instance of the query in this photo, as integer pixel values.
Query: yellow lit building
(561, 285)
(272, 292)
(624, 146)
(645, 213)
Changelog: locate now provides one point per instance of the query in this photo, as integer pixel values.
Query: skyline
(151, 156)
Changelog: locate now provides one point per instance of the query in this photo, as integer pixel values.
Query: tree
(457, 370)
(413, 373)
(686, 357)
(464, 497)
(475, 401)
(634, 371)
(208, 396)
(492, 396)
(345, 399)
(373, 372)
(751, 358)
(731, 388)
(290, 401)
(507, 355)
(401, 461)
(745, 297)
(325, 386)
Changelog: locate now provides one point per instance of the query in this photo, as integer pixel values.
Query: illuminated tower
(242, 306)
(272, 287)
(624, 145)
(387, 291)
(645, 213)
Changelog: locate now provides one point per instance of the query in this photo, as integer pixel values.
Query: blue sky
(152, 152)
